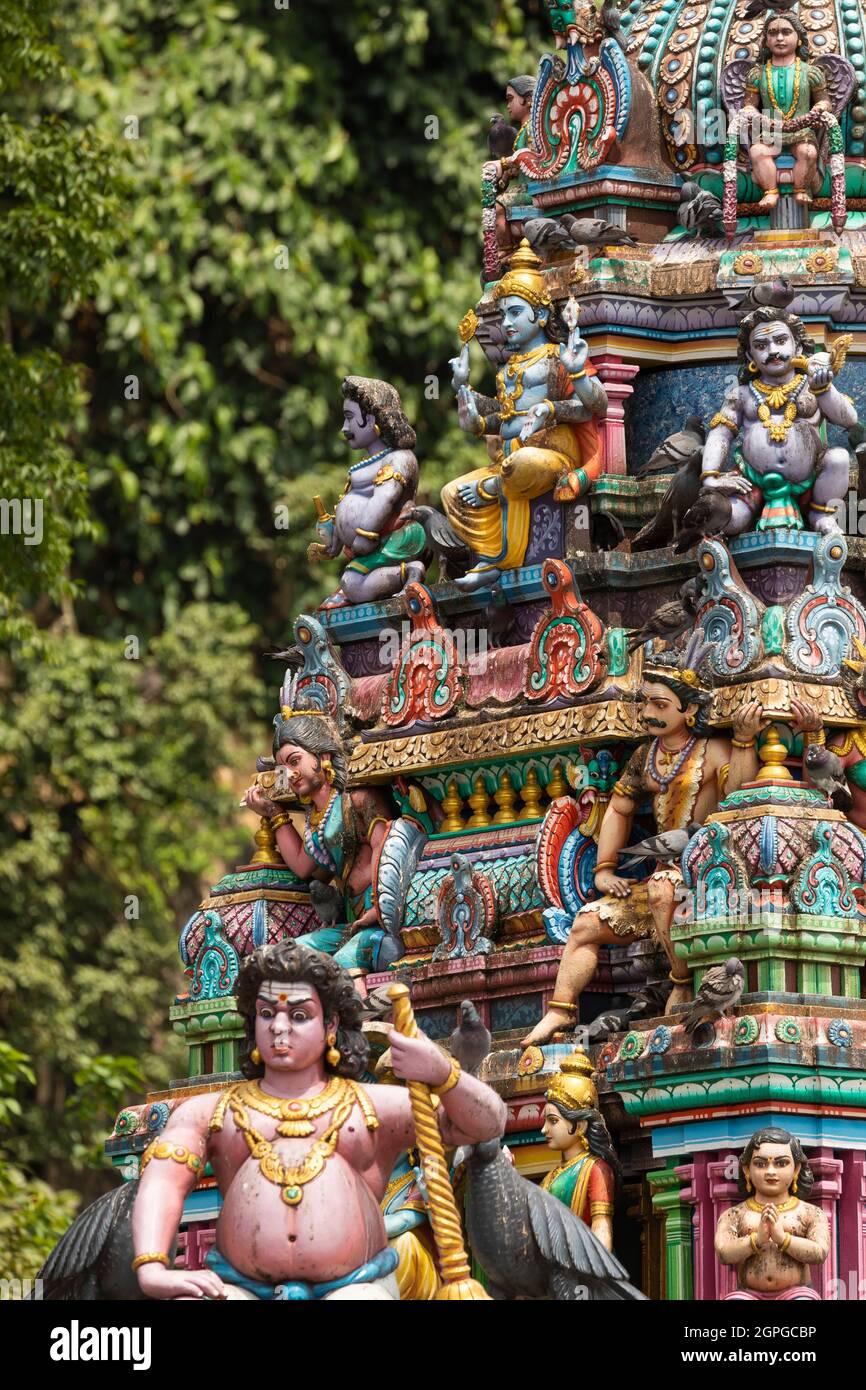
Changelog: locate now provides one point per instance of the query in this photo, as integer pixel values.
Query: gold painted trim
(252, 895)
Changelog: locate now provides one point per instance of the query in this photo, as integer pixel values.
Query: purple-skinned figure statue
(782, 468)
(370, 526)
(302, 1152)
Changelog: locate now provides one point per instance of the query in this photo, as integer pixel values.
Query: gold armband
(575, 376)
(623, 789)
(753, 1241)
(377, 820)
(819, 390)
(742, 743)
(369, 535)
(785, 1243)
(604, 864)
(386, 473)
(163, 1148)
(601, 1208)
(724, 773)
(482, 492)
(818, 507)
(482, 425)
(811, 736)
(282, 819)
(720, 419)
(152, 1258)
(451, 1080)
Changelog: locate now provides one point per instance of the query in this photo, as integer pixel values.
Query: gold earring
(328, 770)
(690, 721)
(753, 369)
(255, 1056)
(376, 428)
(333, 1054)
(748, 1184)
(794, 1187)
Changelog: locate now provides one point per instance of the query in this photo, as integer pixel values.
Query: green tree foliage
(210, 216)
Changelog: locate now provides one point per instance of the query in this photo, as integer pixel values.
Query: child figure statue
(773, 1236)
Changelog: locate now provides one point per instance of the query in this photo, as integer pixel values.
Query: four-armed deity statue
(782, 468)
(543, 416)
(301, 1149)
(775, 1234)
(370, 528)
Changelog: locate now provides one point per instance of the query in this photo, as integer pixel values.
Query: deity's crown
(681, 666)
(573, 1086)
(524, 278)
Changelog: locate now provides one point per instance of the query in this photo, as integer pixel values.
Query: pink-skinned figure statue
(301, 1150)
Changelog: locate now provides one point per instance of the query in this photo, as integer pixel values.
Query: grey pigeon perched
(709, 516)
(453, 554)
(328, 903)
(672, 619)
(547, 235)
(756, 8)
(679, 448)
(500, 137)
(91, 1261)
(665, 848)
(769, 294)
(679, 499)
(825, 772)
(470, 1041)
(857, 445)
(720, 992)
(529, 1244)
(699, 210)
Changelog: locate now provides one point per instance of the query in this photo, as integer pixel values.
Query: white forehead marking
(293, 993)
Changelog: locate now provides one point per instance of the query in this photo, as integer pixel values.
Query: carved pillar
(852, 1227)
(724, 1193)
(697, 1194)
(827, 1169)
(667, 1198)
(616, 376)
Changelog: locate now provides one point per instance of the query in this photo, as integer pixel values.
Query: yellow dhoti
(498, 532)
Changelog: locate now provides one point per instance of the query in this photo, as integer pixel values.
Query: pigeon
(709, 516)
(679, 448)
(825, 772)
(500, 137)
(756, 8)
(857, 445)
(611, 20)
(547, 235)
(605, 530)
(453, 554)
(328, 903)
(470, 1041)
(683, 492)
(292, 656)
(769, 294)
(719, 993)
(529, 1244)
(499, 616)
(378, 1003)
(666, 848)
(673, 619)
(91, 1261)
(699, 210)
(607, 1023)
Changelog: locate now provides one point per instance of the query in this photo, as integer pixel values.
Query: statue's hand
(819, 370)
(731, 483)
(538, 418)
(418, 1059)
(467, 412)
(469, 494)
(749, 721)
(156, 1281)
(460, 368)
(316, 552)
(573, 356)
(491, 169)
(256, 800)
(806, 718)
(609, 882)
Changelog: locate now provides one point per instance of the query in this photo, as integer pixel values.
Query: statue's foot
(802, 195)
(680, 994)
(568, 488)
(337, 600)
(478, 579)
(554, 1021)
(769, 200)
(823, 522)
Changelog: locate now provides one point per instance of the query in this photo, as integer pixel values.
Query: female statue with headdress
(547, 398)
(341, 834)
(586, 1177)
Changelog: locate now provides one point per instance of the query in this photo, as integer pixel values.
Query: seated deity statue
(782, 468)
(371, 527)
(341, 835)
(302, 1151)
(543, 415)
(774, 1235)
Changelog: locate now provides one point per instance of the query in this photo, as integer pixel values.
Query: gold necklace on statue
(791, 1203)
(772, 91)
(514, 369)
(295, 1116)
(782, 398)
